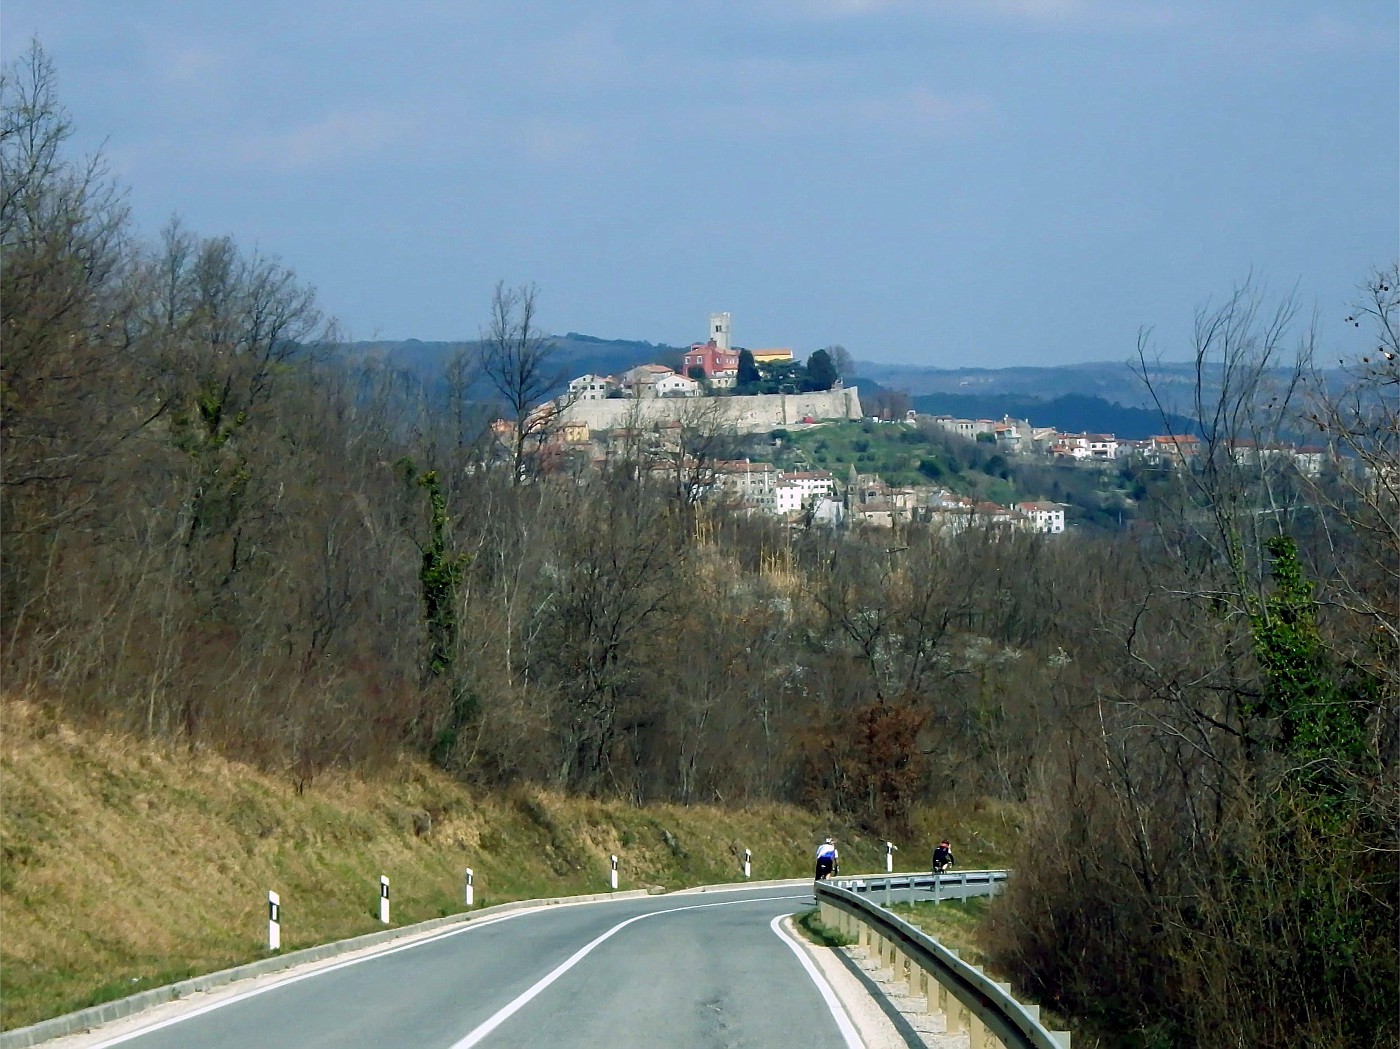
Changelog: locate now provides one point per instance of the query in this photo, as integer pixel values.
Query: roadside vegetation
(960, 925)
(221, 543)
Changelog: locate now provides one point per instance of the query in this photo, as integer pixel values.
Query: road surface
(687, 970)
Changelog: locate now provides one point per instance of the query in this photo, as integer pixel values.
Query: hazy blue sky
(947, 182)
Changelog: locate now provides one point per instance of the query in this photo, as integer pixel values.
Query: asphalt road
(688, 970)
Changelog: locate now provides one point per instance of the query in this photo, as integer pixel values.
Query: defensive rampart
(753, 414)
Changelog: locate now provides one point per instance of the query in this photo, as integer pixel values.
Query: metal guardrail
(956, 884)
(845, 904)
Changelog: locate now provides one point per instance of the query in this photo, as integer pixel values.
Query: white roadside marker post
(890, 848)
(747, 857)
(384, 899)
(470, 894)
(274, 922)
(614, 872)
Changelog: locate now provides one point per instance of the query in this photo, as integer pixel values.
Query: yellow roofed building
(777, 356)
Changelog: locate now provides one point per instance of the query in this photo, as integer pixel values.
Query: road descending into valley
(686, 970)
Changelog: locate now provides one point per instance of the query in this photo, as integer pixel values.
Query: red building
(721, 366)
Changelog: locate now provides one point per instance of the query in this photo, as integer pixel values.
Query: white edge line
(289, 980)
(838, 1011)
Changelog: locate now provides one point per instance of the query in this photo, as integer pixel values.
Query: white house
(1044, 517)
(1102, 446)
(674, 385)
(813, 483)
(788, 498)
(591, 387)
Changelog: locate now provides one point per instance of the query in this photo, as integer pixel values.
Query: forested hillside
(215, 539)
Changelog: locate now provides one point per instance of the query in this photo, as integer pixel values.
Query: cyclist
(942, 857)
(827, 859)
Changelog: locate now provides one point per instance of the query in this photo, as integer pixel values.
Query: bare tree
(1248, 371)
(841, 360)
(692, 446)
(1357, 415)
(519, 361)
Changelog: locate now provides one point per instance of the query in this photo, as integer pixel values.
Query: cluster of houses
(715, 362)
(1019, 437)
(865, 499)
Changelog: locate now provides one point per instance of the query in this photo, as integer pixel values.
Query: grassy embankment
(127, 865)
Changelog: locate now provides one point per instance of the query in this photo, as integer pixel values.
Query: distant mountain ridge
(1113, 381)
(1068, 413)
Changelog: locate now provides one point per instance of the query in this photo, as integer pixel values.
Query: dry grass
(127, 865)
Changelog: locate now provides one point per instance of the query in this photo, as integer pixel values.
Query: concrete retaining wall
(758, 413)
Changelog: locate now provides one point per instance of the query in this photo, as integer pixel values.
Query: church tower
(719, 330)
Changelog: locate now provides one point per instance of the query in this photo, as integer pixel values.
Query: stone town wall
(758, 413)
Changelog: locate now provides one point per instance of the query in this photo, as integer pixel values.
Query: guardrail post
(976, 1032)
(951, 1009)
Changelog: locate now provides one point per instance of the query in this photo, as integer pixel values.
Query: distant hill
(1071, 413)
(575, 354)
(1115, 382)
(1097, 396)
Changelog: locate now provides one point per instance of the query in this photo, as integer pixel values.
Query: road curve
(689, 970)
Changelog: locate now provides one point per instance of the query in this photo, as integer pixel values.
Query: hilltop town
(753, 403)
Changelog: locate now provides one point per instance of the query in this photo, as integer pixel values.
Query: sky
(947, 183)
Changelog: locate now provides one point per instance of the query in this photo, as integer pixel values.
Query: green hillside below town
(918, 454)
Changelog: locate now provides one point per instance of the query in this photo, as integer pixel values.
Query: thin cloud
(919, 111)
(589, 56)
(1075, 13)
(333, 139)
(554, 141)
(919, 108)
